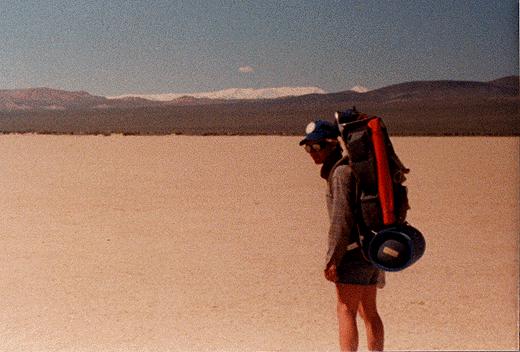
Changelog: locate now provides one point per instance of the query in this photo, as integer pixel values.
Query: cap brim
(312, 137)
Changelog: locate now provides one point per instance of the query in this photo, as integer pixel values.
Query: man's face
(319, 151)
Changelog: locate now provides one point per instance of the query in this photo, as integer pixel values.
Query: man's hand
(331, 273)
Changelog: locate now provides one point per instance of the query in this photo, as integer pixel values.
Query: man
(356, 278)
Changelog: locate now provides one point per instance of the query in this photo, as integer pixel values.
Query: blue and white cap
(320, 130)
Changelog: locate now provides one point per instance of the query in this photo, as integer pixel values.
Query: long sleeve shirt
(341, 199)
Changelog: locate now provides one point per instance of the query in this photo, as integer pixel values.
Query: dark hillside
(414, 108)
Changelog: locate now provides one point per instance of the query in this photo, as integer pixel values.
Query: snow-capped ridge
(231, 93)
(359, 89)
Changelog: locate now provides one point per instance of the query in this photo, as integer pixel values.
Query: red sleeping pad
(384, 179)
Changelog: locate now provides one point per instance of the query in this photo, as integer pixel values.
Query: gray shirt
(341, 199)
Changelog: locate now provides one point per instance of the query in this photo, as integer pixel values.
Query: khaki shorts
(354, 269)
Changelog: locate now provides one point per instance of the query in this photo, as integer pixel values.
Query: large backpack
(386, 238)
(378, 171)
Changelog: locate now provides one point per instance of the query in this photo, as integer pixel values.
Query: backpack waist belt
(352, 246)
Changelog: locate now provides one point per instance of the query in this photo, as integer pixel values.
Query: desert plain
(185, 243)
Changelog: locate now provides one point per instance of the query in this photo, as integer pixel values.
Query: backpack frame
(379, 172)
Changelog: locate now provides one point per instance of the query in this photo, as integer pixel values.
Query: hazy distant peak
(359, 89)
(232, 93)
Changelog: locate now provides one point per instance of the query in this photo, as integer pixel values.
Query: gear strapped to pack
(382, 197)
(379, 172)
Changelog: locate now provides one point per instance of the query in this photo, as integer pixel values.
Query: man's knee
(369, 315)
(346, 310)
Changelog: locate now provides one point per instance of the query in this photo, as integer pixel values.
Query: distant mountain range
(54, 99)
(230, 94)
(410, 108)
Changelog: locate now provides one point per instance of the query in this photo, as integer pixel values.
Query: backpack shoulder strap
(343, 161)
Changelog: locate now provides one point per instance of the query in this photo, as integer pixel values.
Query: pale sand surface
(217, 243)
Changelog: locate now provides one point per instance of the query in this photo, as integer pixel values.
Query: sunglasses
(315, 147)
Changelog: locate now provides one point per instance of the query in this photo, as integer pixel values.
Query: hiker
(356, 279)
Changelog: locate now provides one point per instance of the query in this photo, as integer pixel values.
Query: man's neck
(329, 163)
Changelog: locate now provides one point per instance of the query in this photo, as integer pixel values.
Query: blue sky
(117, 47)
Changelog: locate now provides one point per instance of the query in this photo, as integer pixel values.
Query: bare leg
(373, 323)
(349, 297)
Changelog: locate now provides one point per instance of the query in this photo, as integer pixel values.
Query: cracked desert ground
(127, 243)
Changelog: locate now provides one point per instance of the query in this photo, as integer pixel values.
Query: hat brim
(311, 138)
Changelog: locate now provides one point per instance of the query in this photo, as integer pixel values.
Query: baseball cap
(319, 130)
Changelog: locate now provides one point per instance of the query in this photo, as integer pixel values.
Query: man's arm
(342, 187)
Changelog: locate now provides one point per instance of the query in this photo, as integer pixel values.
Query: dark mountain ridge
(411, 108)
(42, 98)
(446, 89)
(509, 81)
